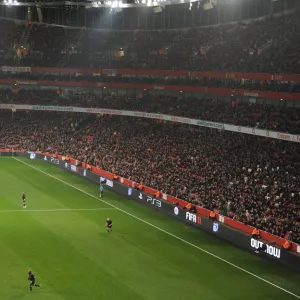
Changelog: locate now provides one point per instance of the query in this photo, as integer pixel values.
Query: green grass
(74, 258)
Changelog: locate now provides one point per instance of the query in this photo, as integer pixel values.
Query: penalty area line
(162, 230)
(55, 210)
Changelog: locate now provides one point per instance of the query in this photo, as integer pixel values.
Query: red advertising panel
(174, 88)
(163, 73)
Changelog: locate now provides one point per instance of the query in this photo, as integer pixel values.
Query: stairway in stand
(26, 35)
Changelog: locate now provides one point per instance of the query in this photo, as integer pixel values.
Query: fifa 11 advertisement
(196, 219)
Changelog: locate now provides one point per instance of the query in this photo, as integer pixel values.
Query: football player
(109, 225)
(31, 278)
(24, 200)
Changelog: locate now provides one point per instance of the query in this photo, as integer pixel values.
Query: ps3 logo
(151, 200)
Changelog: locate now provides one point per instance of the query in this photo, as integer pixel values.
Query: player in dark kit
(31, 278)
(109, 225)
(24, 200)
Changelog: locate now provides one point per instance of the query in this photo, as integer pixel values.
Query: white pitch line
(55, 210)
(162, 230)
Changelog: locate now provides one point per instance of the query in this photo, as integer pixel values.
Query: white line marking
(55, 210)
(162, 230)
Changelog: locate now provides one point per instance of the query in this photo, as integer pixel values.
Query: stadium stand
(259, 46)
(270, 117)
(250, 179)
(269, 45)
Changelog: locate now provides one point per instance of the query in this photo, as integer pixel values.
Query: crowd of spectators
(250, 179)
(269, 45)
(272, 117)
(36, 97)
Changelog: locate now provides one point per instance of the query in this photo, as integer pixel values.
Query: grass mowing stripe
(55, 210)
(162, 230)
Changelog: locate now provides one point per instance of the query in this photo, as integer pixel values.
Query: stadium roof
(207, 4)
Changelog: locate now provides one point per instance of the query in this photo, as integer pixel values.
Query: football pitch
(61, 236)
